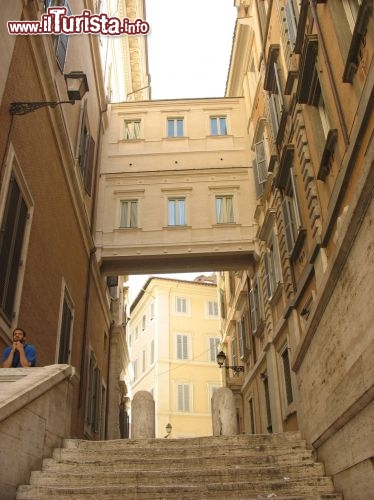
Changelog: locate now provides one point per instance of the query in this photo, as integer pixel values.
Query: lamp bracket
(22, 108)
(236, 369)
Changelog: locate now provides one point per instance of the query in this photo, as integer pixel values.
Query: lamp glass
(168, 428)
(221, 357)
(77, 86)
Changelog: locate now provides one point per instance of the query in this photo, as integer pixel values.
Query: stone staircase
(241, 467)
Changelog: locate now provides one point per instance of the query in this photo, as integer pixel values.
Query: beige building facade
(174, 187)
(174, 341)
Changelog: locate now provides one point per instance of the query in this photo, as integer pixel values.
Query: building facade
(173, 344)
(299, 322)
(50, 281)
(174, 188)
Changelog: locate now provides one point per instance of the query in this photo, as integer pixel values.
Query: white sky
(189, 47)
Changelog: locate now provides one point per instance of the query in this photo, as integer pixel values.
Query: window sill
(139, 139)
(128, 229)
(218, 135)
(175, 137)
(176, 227)
(225, 224)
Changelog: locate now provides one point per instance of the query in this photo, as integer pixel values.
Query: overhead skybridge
(176, 191)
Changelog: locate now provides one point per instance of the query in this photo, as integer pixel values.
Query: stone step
(284, 464)
(115, 454)
(238, 468)
(91, 475)
(280, 439)
(318, 488)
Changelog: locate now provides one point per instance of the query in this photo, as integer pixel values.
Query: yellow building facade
(173, 342)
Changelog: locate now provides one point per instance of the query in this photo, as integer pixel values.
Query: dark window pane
(11, 240)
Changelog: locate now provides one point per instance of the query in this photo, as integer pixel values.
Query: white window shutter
(291, 22)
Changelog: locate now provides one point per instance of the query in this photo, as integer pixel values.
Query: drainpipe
(85, 321)
(329, 73)
(89, 268)
(108, 376)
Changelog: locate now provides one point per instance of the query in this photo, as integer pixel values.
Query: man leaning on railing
(19, 354)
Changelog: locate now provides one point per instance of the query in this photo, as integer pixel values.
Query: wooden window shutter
(11, 241)
(291, 22)
(65, 331)
(89, 166)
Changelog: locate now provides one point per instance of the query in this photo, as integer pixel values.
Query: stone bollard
(224, 413)
(143, 416)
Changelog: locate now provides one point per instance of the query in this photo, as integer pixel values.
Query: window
(129, 213)
(242, 332)
(181, 305)
(143, 361)
(267, 402)
(182, 347)
(358, 14)
(272, 266)
(152, 312)
(136, 333)
(275, 96)
(93, 401)
(291, 216)
(176, 212)
(144, 320)
(175, 127)
(183, 403)
(309, 92)
(234, 352)
(255, 299)
(132, 129)
(213, 349)
(65, 332)
(260, 167)
(224, 210)
(222, 302)
(135, 369)
(213, 308)
(152, 357)
(287, 375)
(218, 125)
(86, 150)
(60, 42)
(11, 241)
(251, 415)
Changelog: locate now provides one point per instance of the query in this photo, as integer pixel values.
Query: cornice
(240, 56)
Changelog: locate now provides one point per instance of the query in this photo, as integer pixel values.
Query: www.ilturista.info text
(56, 21)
